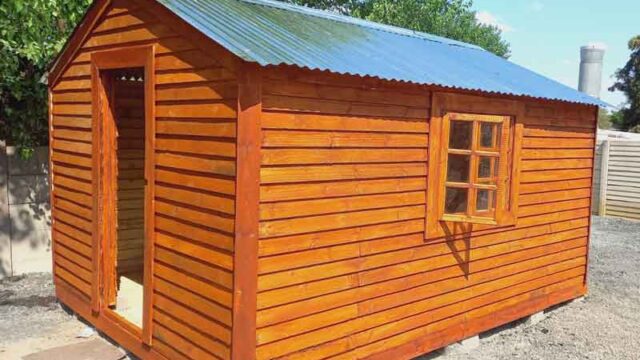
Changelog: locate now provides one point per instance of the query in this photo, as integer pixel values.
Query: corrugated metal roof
(274, 33)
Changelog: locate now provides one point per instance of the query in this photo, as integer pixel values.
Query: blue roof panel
(274, 33)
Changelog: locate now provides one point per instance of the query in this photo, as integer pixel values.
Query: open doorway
(125, 185)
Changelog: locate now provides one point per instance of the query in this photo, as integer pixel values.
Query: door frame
(104, 199)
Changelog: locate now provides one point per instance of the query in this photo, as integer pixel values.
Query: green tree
(628, 81)
(31, 33)
(604, 119)
(454, 19)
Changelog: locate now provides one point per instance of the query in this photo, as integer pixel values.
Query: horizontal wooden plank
(196, 267)
(335, 139)
(76, 147)
(558, 131)
(198, 321)
(184, 60)
(196, 181)
(74, 109)
(205, 289)
(554, 143)
(301, 121)
(196, 128)
(132, 34)
(192, 236)
(205, 219)
(269, 193)
(69, 277)
(194, 163)
(436, 259)
(197, 146)
(414, 312)
(377, 96)
(553, 154)
(212, 90)
(74, 96)
(530, 188)
(271, 175)
(278, 102)
(71, 159)
(191, 76)
(219, 109)
(336, 221)
(67, 134)
(196, 198)
(279, 210)
(554, 175)
(556, 164)
(72, 121)
(203, 340)
(293, 243)
(340, 156)
(193, 301)
(326, 294)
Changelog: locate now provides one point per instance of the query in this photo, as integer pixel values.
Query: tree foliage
(31, 33)
(454, 19)
(628, 81)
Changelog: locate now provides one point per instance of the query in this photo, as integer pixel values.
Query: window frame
(445, 108)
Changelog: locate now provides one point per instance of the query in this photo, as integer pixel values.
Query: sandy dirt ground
(604, 325)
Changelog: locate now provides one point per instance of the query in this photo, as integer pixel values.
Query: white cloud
(536, 6)
(487, 18)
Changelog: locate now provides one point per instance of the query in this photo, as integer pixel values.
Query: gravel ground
(604, 325)
(30, 317)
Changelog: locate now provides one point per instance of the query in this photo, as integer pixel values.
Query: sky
(546, 35)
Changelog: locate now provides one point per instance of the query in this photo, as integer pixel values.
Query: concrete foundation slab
(536, 318)
(470, 343)
(96, 349)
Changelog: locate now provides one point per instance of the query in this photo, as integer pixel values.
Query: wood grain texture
(194, 154)
(344, 270)
(247, 212)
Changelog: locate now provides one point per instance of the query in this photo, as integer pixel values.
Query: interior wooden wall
(344, 268)
(129, 118)
(195, 182)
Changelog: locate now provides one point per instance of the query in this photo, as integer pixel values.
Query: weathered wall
(25, 239)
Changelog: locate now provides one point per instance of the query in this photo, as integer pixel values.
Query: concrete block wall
(25, 212)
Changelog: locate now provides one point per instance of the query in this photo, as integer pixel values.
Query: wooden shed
(248, 179)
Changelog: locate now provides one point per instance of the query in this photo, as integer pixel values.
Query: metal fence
(617, 179)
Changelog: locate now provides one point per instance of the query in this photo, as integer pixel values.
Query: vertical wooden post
(245, 267)
(604, 174)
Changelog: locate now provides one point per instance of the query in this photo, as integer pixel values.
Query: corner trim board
(245, 266)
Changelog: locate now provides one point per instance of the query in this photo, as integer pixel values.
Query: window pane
(485, 200)
(487, 169)
(456, 201)
(460, 134)
(458, 168)
(487, 132)
(489, 135)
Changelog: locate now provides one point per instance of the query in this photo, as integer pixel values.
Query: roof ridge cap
(328, 15)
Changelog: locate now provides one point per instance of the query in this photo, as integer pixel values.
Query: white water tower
(590, 80)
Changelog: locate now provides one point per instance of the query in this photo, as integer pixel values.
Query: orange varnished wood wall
(129, 117)
(344, 268)
(195, 184)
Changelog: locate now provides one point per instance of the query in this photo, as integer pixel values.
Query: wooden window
(474, 174)
(472, 171)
